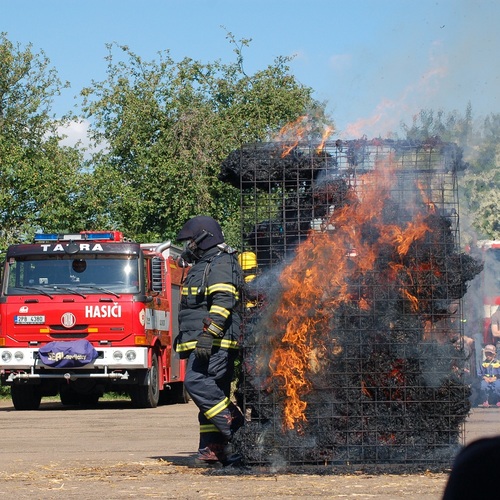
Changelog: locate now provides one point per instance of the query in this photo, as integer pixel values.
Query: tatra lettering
(58, 247)
(104, 311)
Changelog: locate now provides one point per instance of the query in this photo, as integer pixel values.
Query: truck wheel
(26, 396)
(175, 394)
(88, 400)
(147, 396)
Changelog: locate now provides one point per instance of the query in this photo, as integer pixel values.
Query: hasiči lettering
(104, 311)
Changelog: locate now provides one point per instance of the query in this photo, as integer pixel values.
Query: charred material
(354, 354)
(260, 166)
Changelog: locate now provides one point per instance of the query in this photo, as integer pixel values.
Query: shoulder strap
(206, 272)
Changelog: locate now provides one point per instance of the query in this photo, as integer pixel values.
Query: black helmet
(204, 230)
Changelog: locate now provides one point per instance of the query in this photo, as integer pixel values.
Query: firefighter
(248, 263)
(209, 329)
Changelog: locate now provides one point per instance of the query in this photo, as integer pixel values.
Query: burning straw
(355, 356)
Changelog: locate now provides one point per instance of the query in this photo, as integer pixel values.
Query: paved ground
(116, 452)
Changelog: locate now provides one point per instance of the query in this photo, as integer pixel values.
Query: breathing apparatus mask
(192, 252)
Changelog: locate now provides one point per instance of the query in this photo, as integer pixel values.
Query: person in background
(248, 264)
(209, 331)
(495, 327)
(489, 373)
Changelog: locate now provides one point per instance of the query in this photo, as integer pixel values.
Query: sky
(374, 62)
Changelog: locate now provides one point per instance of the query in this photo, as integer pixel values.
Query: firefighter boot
(212, 453)
(216, 452)
(228, 458)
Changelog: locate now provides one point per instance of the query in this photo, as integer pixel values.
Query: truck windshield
(80, 274)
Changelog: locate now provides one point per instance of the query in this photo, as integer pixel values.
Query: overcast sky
(375, 62)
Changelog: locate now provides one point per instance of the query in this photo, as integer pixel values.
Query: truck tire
(26, 396)
(147, 396)
(174, 394)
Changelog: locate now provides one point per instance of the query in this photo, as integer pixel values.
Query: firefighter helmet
(247, 260)
(204, 230)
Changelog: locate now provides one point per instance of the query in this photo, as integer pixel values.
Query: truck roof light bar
(83, 235)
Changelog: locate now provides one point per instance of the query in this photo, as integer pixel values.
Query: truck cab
(87, 313)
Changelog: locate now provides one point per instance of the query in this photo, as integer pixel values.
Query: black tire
(175, 394)
(147, 396)
(26, 396)
(88, 400)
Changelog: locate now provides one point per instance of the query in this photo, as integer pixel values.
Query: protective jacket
(490, 368)
(210, 298)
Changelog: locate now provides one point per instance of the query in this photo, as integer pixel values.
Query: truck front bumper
(112, 363)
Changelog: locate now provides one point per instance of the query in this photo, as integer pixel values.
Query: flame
(326, 133)
(316, 283)
(294, 132)
(413, 300)
(300, 129)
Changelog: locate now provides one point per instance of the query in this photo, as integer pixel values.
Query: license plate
(29, 320)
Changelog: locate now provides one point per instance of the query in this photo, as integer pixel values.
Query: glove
(203, 348)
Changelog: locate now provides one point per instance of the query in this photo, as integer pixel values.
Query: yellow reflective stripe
(215, 410)
(214, 328)
(493, 365)
(222, 287)
(221, 311)
(224, 343)
(185, 346)
(227, 344)
(208, 428)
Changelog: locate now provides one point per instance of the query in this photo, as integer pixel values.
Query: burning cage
(353, 346)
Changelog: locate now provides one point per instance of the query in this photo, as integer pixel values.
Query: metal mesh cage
(353, 346)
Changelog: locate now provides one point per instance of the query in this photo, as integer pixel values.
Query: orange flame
(326, 133)
(300, 129)
(316, 282)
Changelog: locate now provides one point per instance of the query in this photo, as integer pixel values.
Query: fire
(301, 129)
(317, 282)
(294, 132)
(326, 134)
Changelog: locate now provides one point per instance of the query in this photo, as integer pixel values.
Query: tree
(167, 127)
(479, 182)
(38, 177)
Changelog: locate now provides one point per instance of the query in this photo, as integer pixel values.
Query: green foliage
(38, 177)
(450, 127)
(162, 128)
(168, 125)
(4, 391)
(479, 183)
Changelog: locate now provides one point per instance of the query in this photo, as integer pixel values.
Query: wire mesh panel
(353, 347)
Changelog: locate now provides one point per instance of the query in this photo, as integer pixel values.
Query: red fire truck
(88, 313)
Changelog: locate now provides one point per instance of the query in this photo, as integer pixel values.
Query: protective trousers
(209, 385)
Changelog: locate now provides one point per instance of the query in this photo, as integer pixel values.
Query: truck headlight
(6, 356)
(117, 355)
(130, 355)
(18, 356)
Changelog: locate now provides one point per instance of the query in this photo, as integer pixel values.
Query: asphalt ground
(115, 451)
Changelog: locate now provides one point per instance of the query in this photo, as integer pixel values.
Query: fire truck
(89, 313)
